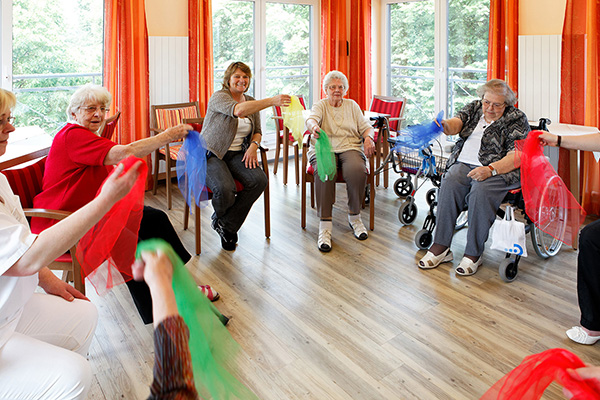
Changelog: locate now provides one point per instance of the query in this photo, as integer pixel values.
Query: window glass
(57, 47)
(468, 30)
(412, 56)
(233, 37)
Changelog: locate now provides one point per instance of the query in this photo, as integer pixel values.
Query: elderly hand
(250, 158)
(118, 184)
(54, 286)
(153, 267)
(589, 374)
(548, 139)
(281, 100)
(177, 132)
(480, 173)
(369, 146)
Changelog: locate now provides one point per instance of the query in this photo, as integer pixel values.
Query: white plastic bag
(508, 234)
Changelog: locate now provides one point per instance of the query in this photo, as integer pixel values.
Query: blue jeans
(232, 207)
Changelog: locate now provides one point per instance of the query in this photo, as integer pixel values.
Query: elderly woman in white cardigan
(232, 133)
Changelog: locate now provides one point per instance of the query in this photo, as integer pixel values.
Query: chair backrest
(168, 115)
(110, 125)
(26, 182)
(277, 112)
(394, 106)
(196, 123)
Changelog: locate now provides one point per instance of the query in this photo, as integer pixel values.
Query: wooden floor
(360, 322)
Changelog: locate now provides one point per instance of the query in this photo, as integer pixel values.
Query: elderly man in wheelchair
(480, 172)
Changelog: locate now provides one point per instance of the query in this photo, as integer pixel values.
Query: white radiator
(539, 80)
(168, 59)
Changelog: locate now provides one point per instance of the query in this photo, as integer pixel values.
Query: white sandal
(430, 260)
(468, 266)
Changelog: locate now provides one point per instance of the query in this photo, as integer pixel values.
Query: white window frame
(6, 43)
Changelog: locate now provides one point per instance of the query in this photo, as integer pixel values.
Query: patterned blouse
(173, 374)
(498, 139)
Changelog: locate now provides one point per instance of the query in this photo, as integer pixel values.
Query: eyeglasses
(5, 121)
(488, 103)
(334, 87)
(92, 109)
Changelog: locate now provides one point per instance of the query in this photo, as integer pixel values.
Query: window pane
(57, 46)
(412, 53)
(467, 50)
(289, 69)
(233, 37)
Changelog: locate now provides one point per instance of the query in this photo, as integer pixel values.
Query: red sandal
(209, 292)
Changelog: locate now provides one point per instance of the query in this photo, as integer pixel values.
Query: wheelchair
(552, 208)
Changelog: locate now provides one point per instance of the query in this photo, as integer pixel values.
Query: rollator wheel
(407, 212)
(552, 212)
(424, 239)
(430, 196)
(403, 187)
(508, 269)
(462, 220)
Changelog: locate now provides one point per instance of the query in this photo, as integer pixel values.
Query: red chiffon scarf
(107, 251)
(548, 201)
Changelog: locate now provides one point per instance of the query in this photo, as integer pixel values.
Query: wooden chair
(197, 124)
(163, 117)
(308, 176)
(110, 125)
(286, 139)
(394, 106)
(26, 183)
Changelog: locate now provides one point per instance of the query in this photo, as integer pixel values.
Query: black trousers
(155, 224)
(588, 276)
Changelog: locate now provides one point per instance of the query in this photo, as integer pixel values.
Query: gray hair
(499, 87)
(86, 93)
(331, 75)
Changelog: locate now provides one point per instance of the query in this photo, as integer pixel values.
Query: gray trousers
(354, 172)
(483, 199)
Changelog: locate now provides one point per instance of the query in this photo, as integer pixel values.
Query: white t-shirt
(470, 151)
(15, 239)
(243, 130)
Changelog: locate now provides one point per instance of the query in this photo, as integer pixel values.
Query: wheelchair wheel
(430, 196)
(403, 186)
(508, 269)
(462, 220)
(424, 239)
(407, 213)
(552, 214)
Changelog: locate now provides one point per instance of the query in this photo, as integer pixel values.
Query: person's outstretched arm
(589, 142)
(173, 374)
(56, 240)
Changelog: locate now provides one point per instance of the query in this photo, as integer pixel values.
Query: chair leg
(312, 195)
(168, 160)
(286, 153)
(303, 199)
(186, 215)
(198, 230)
(277, 151)
(155, 177)
(372, 197)
(297, 163)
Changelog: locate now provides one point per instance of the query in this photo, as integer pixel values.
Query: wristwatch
(494, 171)
(256, 143)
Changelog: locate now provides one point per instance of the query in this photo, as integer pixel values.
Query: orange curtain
(503, 47)
(580, 90)
(126, 67)
(334, 38)
(200, 52)
(360, 52)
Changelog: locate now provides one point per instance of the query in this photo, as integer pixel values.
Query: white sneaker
(324, 240)
(360, 232)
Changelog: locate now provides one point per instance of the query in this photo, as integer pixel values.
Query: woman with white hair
(79, 161)
(481, 171)
(348, 130)
(45, 337)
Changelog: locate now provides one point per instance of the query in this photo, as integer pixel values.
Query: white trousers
(45, 357)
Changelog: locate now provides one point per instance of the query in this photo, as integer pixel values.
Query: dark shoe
(228, 239)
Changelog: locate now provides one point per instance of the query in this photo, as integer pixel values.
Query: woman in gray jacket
(233, 135)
